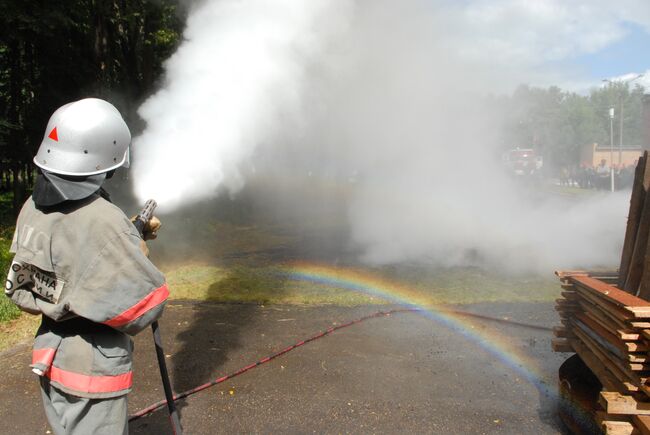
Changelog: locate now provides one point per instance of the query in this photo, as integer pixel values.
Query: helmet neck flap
(53, 189)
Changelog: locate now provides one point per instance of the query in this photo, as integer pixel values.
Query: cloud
(534, 32)
(633, 79)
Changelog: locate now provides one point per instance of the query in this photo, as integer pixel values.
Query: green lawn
(8, 310)
(272, 285)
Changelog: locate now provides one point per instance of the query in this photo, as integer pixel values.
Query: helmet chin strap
(53, 189)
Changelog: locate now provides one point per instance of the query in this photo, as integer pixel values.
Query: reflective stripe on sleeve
(90, 384)
(43, 356)
(153, 299)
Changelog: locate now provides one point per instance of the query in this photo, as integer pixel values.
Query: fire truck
(522, 162)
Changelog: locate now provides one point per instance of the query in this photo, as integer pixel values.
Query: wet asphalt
(405, 373)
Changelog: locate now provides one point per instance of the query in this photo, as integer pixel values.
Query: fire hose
(140, 223)
(151, 408)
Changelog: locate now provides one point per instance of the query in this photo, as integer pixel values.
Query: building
(591, 155)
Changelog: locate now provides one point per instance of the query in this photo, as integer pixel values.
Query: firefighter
(79, 263)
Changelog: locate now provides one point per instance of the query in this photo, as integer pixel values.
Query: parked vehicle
(522, 162)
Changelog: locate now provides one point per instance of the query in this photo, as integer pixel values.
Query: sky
(627, 55)
(574, 44)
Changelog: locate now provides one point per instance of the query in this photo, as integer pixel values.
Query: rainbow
(490, 340)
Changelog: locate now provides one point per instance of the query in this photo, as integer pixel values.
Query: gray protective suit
(81, 267)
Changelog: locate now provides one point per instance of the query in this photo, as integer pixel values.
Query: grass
(251, 284)
(18, 330)
(571, 191)
(8, 311)
(15, 326)
(269, 285)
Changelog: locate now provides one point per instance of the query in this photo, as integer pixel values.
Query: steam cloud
(388, 93)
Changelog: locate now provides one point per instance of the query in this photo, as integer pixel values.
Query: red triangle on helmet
(53, 135)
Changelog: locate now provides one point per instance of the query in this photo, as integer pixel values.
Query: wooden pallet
(606, 327)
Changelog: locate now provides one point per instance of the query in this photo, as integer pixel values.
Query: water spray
(321, 88)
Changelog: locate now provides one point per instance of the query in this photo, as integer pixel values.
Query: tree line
(52, 53)
(557, 123)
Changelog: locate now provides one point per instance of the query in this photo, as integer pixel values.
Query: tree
(52, 55)
(559, 123)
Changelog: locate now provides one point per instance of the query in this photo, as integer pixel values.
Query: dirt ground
(406, 373)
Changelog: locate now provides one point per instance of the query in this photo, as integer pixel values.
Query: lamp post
(620, 121)
(611, 146)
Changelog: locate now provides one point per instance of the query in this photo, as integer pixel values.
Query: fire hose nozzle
(145, 216)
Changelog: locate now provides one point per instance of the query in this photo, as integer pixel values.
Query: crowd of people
(598, 177)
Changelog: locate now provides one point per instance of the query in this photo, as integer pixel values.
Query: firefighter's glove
(150, 231)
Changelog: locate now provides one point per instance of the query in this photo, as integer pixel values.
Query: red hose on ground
(149, 409)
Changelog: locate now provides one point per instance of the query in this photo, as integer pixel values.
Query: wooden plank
(639, 367)
(602, 357)
(639, 312)
(638, 357)
(642, 423)
(623, 334)
(618, 428)
(602, 416)
(630, 387)
(633, 346)
(611, 344)
(562, 332)
(570, 295)
(612, 364)
(563, 309)
(639, 324)
(612, 294)
(637, 200)
(616, 403)
(602, 336)
(561, 345)
(565, 302)
(567, 308)
(589, 306)
(628, 335)
(635, 269)
(644, 285)
(626, 313)
(566, 274)
(606, 378)
(611, 309)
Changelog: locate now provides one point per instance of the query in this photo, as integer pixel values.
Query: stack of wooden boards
(606, 321)
(610, 330)
(634, 271)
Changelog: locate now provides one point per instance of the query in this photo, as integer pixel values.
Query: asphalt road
(406, 373)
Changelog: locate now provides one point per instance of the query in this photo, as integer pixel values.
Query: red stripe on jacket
(43, 356)
(90, 384)
(153, 299)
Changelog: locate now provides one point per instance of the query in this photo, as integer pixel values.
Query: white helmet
(87, 137)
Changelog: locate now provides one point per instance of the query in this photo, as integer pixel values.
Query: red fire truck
(522, 162)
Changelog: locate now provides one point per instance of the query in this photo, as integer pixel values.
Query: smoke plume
(385, 99)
